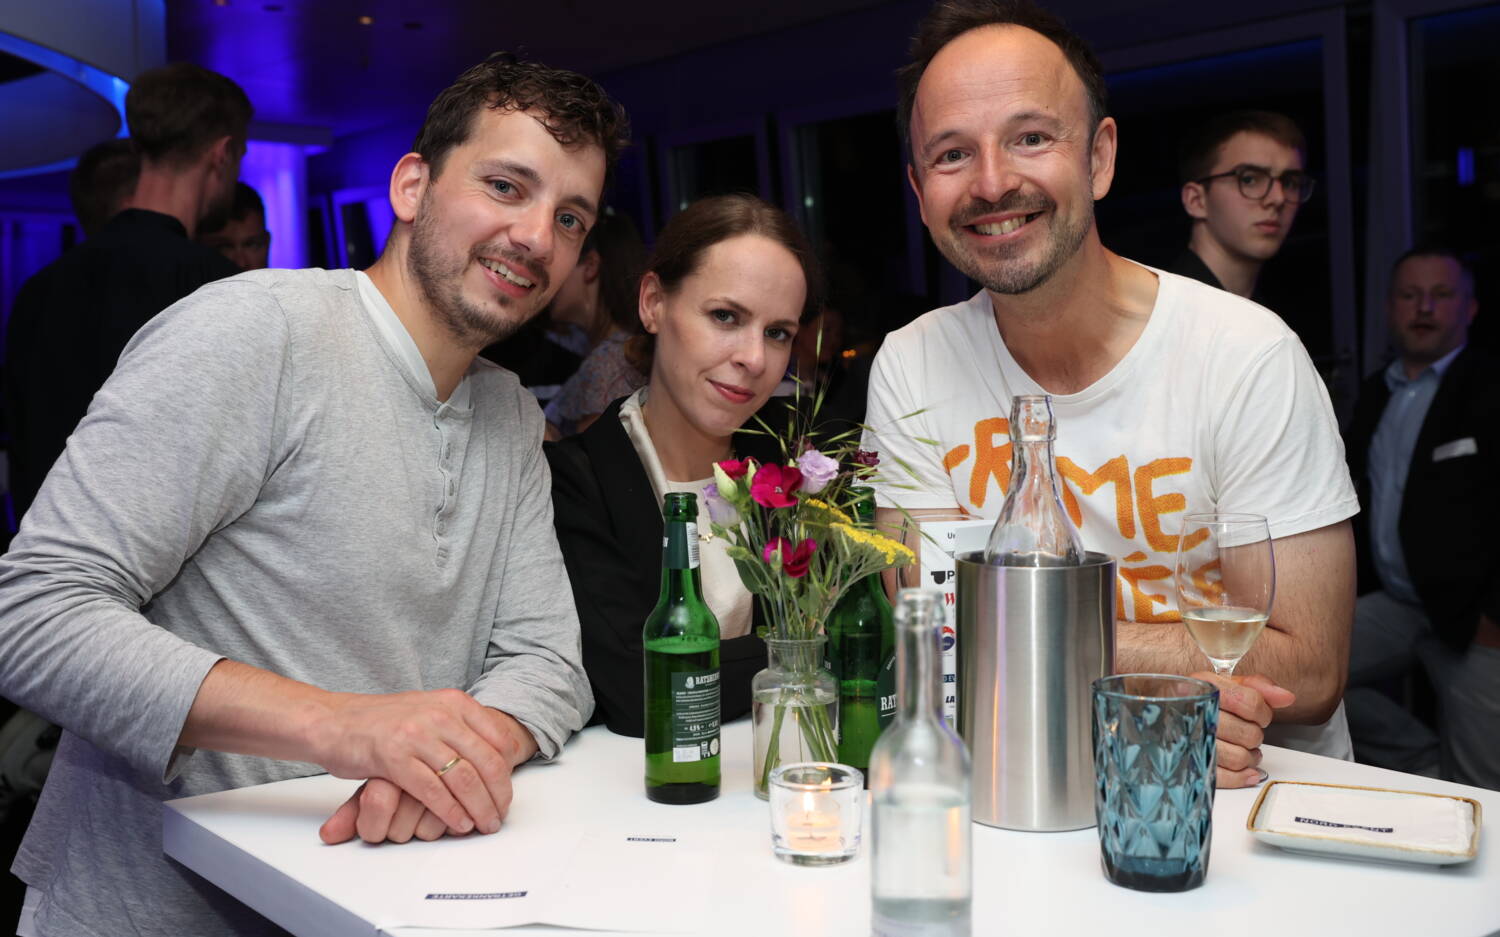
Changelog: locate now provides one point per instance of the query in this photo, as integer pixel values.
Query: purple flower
(817, 470)
(721, 512)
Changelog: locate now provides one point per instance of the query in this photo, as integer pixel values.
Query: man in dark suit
(1422, 448)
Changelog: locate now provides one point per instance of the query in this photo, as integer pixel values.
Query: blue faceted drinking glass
(1154, 771)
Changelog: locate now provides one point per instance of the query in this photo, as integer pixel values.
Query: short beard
(996, 269)
(441, 282)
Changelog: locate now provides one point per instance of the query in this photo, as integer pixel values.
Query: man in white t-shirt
(1168, 395)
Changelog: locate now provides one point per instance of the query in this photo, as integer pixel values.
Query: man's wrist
(314, 724)
(525, 745)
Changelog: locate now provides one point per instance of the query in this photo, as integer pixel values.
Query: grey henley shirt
(262, 478)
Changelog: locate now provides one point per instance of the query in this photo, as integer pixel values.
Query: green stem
(773, 748)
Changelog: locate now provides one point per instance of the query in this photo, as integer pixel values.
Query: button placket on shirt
(452, 443)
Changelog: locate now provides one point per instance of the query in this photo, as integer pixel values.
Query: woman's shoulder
(598, 463)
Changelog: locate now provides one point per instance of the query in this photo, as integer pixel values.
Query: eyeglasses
(1255, 182)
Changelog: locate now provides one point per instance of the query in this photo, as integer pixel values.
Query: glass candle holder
(816, 812)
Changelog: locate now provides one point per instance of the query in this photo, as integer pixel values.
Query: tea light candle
(815, 812)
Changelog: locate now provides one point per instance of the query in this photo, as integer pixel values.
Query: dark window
(1456, 143)
(1142, 217)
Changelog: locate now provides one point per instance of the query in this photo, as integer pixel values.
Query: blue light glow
(278, 171)
(1466, 165)
(111, 88)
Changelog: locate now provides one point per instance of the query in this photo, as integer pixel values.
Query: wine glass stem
(1224, 670)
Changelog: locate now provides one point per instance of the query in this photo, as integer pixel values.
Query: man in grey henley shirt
(298, 517)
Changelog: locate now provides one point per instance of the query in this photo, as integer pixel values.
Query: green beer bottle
(681, 640)
(861, 654)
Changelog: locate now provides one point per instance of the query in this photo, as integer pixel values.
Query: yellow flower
(834, 514)
(892, 552)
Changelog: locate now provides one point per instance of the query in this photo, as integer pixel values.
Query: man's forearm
(1168, 648)
(249, 711)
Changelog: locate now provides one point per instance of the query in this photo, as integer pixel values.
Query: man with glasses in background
(1242, 183)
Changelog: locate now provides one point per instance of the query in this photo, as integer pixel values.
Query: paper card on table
(470, 888)
(638, 881)
(617, 881)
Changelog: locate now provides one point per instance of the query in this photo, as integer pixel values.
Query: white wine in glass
(1226, 582)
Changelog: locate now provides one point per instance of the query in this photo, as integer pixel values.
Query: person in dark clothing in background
(1422, 451)
(102, 182)
(71, 320)
(243, 236)
(1242, 183)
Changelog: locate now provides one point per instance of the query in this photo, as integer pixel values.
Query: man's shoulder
(298, 292)
(957, 325)
(1476, 368)
(261, 306)
(1206, 319)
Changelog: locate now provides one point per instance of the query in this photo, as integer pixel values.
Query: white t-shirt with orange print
(1216, 407)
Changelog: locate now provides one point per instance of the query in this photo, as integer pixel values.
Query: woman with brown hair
(723, 295)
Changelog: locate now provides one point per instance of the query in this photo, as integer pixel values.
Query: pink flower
(793, 562)
(735, 468)
(817, 470)
(774, 486)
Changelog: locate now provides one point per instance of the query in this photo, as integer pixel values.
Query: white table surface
(261, 845)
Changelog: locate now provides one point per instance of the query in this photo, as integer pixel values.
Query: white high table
(261, 845)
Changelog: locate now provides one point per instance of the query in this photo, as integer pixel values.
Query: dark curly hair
(949, 19)
(573, 108)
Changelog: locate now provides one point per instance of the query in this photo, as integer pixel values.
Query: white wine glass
(1226, 582)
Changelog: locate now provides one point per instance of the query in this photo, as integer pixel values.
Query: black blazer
(610, 528)
(1450, 512)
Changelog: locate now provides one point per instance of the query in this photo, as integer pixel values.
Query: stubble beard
(1003, 270)
(441, 282)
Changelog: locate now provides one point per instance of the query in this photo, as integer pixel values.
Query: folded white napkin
(1383, 818)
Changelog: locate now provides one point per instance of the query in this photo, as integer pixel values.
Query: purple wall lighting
(278, 171)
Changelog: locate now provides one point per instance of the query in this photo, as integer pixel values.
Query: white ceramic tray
(1340, 831)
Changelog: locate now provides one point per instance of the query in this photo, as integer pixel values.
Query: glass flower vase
(794, 708)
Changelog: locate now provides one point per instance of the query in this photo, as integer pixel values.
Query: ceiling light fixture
(366, 20)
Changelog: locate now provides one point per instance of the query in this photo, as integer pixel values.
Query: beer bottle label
(695, 715)
(680, 550)
(885, 686)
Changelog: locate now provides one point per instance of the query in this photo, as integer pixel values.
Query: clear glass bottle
(861, 644)
(1033, 528)
(681, 651)
(921, 877)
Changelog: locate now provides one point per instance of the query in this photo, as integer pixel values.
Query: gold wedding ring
(449, 766)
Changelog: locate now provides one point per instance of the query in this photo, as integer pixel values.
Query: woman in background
(599, 298)
(723, 295)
